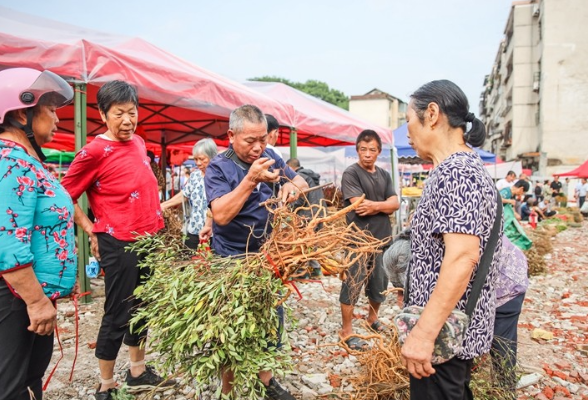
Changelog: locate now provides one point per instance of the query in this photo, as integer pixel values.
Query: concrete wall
(376, 111)
(564, 83)
(524, 100)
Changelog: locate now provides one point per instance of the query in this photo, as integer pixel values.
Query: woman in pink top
(114, 172)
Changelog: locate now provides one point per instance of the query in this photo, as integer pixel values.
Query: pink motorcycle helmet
(27, 87)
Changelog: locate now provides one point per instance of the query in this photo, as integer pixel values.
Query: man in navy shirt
(236, 182)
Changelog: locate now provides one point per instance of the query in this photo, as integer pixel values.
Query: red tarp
(178, 153)
(179, 100)
(580, 172)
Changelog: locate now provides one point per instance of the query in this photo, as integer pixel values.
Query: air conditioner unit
(536, 86)
(536, 10)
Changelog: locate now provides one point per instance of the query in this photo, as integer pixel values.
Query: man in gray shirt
(373, 215)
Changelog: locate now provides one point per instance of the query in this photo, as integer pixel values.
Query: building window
(507, 135)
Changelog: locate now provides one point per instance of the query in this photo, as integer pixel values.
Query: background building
(379, 108)
(534, 101)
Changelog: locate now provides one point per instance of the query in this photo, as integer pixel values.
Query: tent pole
(83, 243)
(163, 161)
(293, 143)
(396, 183)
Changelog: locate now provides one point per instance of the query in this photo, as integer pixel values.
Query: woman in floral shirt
(204, 151)
(38, 262)
(449, 233)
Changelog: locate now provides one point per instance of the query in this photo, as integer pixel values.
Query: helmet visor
(51, 90)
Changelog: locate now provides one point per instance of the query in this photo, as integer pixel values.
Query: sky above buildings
(352, 45)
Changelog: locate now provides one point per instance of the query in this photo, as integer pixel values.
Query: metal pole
(396, 184)
(163, 161)
(83, 243)
(293, 143)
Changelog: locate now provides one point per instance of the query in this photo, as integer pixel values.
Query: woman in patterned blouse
(449, 232)
(199, 226)
(38, 261)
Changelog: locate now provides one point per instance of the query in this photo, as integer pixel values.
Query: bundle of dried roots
(296, 240)
(382, 375)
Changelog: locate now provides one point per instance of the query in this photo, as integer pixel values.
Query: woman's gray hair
(205, 147)
(249, 113)
(397, 258)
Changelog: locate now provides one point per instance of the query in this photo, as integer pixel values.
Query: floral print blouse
(459, 197)
(36, 222)
(195, 193)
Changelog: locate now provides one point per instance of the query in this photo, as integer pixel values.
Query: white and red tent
(314, 117)
(180, 101)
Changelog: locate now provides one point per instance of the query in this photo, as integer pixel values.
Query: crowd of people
(459, 237)
(539, 201)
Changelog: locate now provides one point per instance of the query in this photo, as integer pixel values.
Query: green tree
(314, 88)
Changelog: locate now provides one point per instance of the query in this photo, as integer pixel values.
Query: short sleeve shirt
(376, 186)
(248, 230)
(459, 197)
(555, 186)
(36, 222)
(503, 183)
(581, 189)
(196, 195)
(512, 279)
(121, 187)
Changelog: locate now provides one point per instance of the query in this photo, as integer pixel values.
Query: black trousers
(192, 241)
(451, 381)
(371, 275)
(121, 277)
(504, 344)
(24, 355)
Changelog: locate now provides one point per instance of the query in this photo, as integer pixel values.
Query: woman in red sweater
(114, 172)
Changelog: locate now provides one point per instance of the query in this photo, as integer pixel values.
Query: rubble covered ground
(553, 336)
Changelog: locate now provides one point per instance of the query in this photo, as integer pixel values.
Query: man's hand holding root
(260, 171)
(289, 193)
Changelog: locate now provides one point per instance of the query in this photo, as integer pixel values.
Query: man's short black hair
(294, 163)
(368, 135)
(272, 123)
(522, 183)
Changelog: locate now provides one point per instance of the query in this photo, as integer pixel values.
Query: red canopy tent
(179, 101)
(580, 172)
(66, 142)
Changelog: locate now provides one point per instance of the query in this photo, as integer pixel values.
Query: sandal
(378, 327)
(356, 344)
